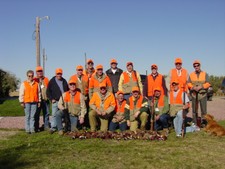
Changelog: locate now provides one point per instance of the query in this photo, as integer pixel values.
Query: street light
(38, 19)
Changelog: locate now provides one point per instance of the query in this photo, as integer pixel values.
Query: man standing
(136, 110)
(43, 84)
(102, 104)
(71, 102)
(96, 79)
(198, 83)
(179, 74)
(89, 71)
(161, 109)
(152, 81)
(56, 87)
(114, 74)
(129, 79)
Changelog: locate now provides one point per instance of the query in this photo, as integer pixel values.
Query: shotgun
(152, 115)
(198, 119)
(183, 116)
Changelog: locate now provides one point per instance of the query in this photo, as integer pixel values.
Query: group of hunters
(115, 99)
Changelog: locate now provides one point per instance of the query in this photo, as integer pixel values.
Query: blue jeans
(73, 120)
(54, 111)
(30, 110)
(113, 126)
(45, 110)
(162, 122)
(178, 121)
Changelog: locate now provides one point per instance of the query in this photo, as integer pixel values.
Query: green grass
(42, 150)
(11, 107)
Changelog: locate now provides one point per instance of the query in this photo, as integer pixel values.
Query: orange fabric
(85, 72)
(160, 101)
(177, 99)
(152, 84)
(30, 92)
(201, 79)
(120, 108)
(95, 82)
(76, 98)
(127, 77)
(46, 81)
(105, 104)
(181, 79)
(138, 104)
(83, 79)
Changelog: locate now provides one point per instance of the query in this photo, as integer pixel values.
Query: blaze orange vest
(83, 85)
(177, 99)
(181, 79)
(160, 101)
(154, 83)
(127, 77)
(45, 80)
(201, 80)
(30, 92)
(120, 108)
(94, 81)
(76, 98)
(138, 104)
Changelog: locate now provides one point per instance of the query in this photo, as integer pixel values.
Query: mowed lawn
(42, 150)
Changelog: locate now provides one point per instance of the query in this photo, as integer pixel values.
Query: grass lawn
(11, 107)
(42, 150)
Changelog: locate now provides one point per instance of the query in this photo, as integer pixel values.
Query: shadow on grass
(9, 158)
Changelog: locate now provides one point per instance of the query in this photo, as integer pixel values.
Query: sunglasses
(100, 69)
(196, 65)
(72, 84)
(59, 74)
(178, 63)
(30, 76)
(39, 71)
(80, 70)
(103, 88)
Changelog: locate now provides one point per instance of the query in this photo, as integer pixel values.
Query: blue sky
(141, 31)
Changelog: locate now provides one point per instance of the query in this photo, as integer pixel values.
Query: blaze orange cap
(135, 89)
(154, 66)
(39, 68)
(99, 67)
(196, 62)
(59, 70)
(157, 89)
(102, 85)
(90, 61)
(129, 63)
(113, 61)
(178, 60)
(79, 67)
(119, 92)
(72, 80)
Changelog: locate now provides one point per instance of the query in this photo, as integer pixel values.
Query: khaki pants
(143, 118)
(93, 121)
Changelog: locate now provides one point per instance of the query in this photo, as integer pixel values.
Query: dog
(213, 127)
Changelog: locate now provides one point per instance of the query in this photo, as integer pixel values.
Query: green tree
(216, 82)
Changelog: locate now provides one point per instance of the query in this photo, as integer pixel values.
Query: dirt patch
(4, 135)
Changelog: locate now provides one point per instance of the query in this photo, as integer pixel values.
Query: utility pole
(44, 59)
(38, 40)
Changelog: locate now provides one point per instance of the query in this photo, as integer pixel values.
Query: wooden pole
(44, 59)
(38, 40)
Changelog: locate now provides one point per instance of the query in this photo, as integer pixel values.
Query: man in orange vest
(179, 74)
(152, 81)
(136, 110)
(119, 116)
(43, 84)
(29, 98)
(198, 83)
(82, 84)
(89, 71)
(114, 74)
(96, 79)
(129, 79)
(161, 110)
(102, 104)
(71, 102)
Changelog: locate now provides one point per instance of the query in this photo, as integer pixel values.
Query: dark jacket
(114, 78)
(53, 90)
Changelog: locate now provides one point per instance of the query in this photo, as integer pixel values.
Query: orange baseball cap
(59, 70)
(196, 62)
(157, 89)
(113, 61)
(99, 67)
(39, 68)
(102, 85)
(178, 60)
(79, 67)
(135, 89)
(119, 92)
(90, 61)
(154, 66)
(72, 80)
(129, 63)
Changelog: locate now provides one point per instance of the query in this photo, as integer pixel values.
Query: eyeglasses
(59, 74)
(39, 71)
(103, 88)
(80, 70)
(90, 63)
(30, 76)
(72, 84)
(99, 69)
(196, 65)
(178, 64)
